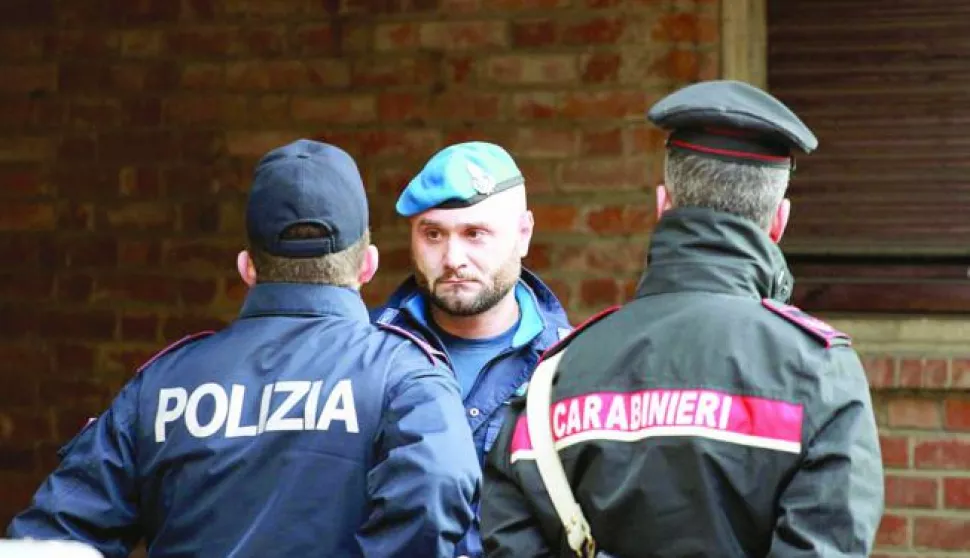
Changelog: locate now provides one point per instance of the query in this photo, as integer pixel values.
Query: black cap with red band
(732, 121)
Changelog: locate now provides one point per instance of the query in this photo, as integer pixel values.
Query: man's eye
(432, 235)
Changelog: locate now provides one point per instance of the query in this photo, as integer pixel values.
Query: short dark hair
(339, 269)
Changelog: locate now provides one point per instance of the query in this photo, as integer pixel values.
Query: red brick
(145, 11)
(22, 181)
(20, 286)
(620, 219)
(599, 292)
(532, 69)
(540, 105)
(88, 44)
(26, 150)
(204, 109)
(624, 258)
(82, 251)
(602, 142)
(73, 359)
(138, 253)
(140, 216)
(539, 257)
(894, 530)
(199, 256)
(139, 182)
(949, 454)
(143, 327)
(403, 106)
(136, 288)
(316, 39)
(600, 67)
(399, 143)
(198, 292)
(527, 4)
(956, 493)
(598, 30)
(199, 218)
(20, 45)
(923, 372)
(390, 72)
(155, 75)
(535, 33)
(29, 78)
(262, 41)
(123, 362)
(604, 104)
(912, 492)
(203, 76)
(18, 456)
(74, 288)
(555, 143)
(459, 6)
(81, 391)
(961, 373)
(941, 533)
(234, 291)
(555, 218)
(27, 216)
(914, 413)
(24, 423)
(562, 289)
(895, 451)
(88, 113)
(195, 42)
(538, 175)
(597, 175)
(346, 109)
(956, 413)
(132, 146)
(390, 37)
(459, 35)
(262, 10)
(677, 65)
(28, 12)
(880, 370)
(94, 325)
(142, 43)
(468, 106)
(686, 27)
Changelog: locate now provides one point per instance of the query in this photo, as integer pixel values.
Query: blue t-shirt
(469, 355)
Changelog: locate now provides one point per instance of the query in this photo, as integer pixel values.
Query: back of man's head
(752, 192)
(307, 216)
(731, 148)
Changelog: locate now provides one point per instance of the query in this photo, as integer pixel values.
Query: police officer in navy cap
(469, 296)
(298, 430)
(706, 417)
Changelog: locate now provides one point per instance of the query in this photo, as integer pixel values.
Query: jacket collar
(549, 321)
(695, 249)
(303, 299)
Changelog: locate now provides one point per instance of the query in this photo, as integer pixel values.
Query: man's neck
(492, 322)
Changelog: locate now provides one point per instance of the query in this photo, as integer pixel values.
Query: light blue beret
(459, 176)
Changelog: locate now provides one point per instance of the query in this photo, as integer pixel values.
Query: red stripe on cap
(730, 152)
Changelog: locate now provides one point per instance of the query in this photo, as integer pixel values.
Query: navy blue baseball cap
(306, 182)
(460, 175)
(732, 121)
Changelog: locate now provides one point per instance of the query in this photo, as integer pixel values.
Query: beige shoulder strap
(538, 402)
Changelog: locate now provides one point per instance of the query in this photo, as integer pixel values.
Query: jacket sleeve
(91, 496)
(510, 524)
(834, 502)
(427, 476)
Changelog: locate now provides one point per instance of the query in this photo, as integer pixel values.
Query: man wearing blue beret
(469, 296)
(301, 429)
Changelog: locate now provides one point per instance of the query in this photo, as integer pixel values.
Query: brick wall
(128, 130)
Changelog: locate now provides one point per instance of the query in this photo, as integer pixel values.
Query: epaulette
(434, 355)
(822, 331)
(180, 343)
(556, 347)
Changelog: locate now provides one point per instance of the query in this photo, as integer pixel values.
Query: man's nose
(454, 254)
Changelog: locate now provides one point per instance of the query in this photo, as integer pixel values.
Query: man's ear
(663, 201)
(780, 220)
(527, 225)
(246, 269)
(369, 267)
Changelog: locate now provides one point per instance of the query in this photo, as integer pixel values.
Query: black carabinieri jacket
(704, 418)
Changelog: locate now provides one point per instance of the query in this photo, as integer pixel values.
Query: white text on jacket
(285, 405)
